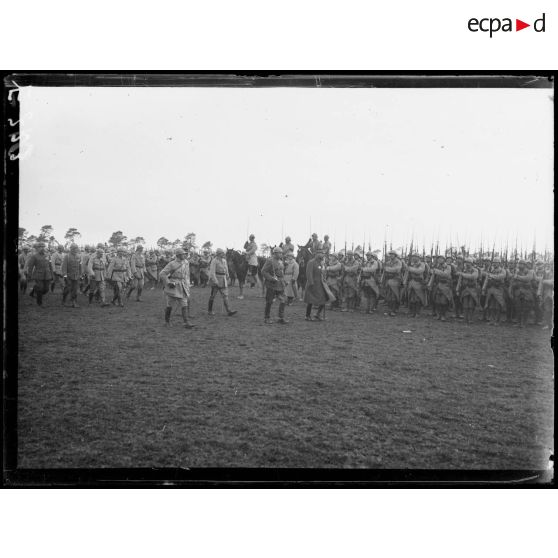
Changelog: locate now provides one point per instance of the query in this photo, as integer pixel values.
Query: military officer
(71, 270)
(291, 276)
(56, 262)
(137, 267)
(96, 271)
(38, 266)
(176, 279)
(219, 282)
(119, 272)
(151, 269)
(273, 272)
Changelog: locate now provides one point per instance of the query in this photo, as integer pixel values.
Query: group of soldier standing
(500, 291)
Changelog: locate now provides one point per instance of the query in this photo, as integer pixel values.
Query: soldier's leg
(92, 289)
(211, 299)
(184, 311)
(140, 289)
(168, 310)
(66, 290)
(282, 305)
(269, 296)
(131, 288)
(74, 286)
(538, 312)
(308, 311)
(102, 288)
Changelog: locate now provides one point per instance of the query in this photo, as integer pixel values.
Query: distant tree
(117, 238)
(22, 234)
(46, 232)
(163, 242)
(189, 241)
(207, 245)
(72, 234)
(176, 243)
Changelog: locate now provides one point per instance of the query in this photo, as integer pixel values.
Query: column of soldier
(485, 287)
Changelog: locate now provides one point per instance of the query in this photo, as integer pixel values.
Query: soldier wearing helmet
(71, 272)
(392, 278)
(96, 271)
(219, 282)
(350, 282)
(273, 272)
(137, 267)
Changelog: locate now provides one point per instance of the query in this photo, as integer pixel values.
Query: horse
(303, 256)
(237, 264)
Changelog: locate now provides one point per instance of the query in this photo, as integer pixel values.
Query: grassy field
(111, 387)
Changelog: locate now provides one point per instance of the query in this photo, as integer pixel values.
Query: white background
(365, 35)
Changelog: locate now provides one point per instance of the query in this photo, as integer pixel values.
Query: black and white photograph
(264, 273)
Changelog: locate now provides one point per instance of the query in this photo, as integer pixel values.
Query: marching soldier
(87, 253)
(457, 268)
(415, 285)
(334, 273)
(119, 272)
(493, 289)
(274, 275)
(38, 266)
(468, 289)
(291, 276)
(56, 262)
(440, 286)
(522, 292)
(151, 269)
(369, 286)
(176, 279)
(219, 282)
(350, 282)
(71, 270)
(137, 267)
(392, 278)
(96, 271)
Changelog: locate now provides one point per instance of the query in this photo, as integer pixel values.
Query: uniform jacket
(137, 265)
(251, 256)
(219, 273)
(39, 267)
(56, 261)
(177, 272)
(273, 272)
(96, 268)
(71, 266)
(119, 270)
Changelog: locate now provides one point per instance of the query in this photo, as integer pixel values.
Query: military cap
(497, 260)
(220, 251)
(339, 254)
(251, 237)
(101, 246)
(140, 247)
(277, 250)
(369, 253)
(179, 251)
(73, 246)
(288, 238)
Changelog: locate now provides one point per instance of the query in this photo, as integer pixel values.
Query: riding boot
(227, 307)
(129, 293)
(187, 324)
(91, 297)
(282, 313)
(138, 297)
(168, 311)
(210, 307)
(120, 303)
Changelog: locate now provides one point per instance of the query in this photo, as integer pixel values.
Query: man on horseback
(251, 248)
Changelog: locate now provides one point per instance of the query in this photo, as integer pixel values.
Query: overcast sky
(352, 163)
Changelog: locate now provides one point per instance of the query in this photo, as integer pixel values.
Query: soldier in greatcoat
(119, 273)
(38, 266)
(71, 272)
